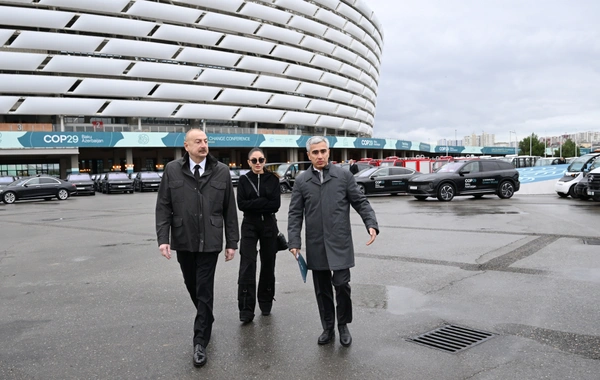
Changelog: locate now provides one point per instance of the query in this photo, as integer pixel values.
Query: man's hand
(373, 234)
(165, 250)
(295, 252)
(229, 254)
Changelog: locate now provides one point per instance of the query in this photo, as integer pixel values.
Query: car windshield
(578, 163)
(365, 172)
(280, 171)
(149, 175)
(450, 167)
(117, 176)
(6, 180)
(79, 177)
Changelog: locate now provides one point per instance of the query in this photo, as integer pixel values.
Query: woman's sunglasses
(261, 160)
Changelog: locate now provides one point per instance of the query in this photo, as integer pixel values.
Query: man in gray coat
(195, 201)
(322, 196)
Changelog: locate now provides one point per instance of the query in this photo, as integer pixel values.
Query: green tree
(568, 150)
(531, 146)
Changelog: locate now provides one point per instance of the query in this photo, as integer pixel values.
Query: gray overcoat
(326, 209)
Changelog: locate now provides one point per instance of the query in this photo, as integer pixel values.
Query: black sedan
(83, 182)
(116, 182)
(389, 179)
(38, 187)
(146, 181)
(467, 177)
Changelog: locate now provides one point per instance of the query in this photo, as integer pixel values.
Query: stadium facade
(308, 66)
(99, 85)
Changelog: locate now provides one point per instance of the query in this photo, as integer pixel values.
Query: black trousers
(198, 270)
(323, 281)
(265, 231)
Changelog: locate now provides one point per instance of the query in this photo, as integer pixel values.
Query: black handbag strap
(253, 185)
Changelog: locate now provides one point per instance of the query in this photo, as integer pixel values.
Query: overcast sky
(493, 66)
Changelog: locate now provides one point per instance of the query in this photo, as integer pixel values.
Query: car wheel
(562, 195)
(572, 192)
(283, 188)
(362, 189)
(9, 197)
(506, 190)
(446, 192)
(420, 197)
(62, 194)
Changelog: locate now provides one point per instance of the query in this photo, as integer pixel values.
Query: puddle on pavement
(463, 209)
(395, 299)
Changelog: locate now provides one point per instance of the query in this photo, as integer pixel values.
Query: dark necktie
(197, 172)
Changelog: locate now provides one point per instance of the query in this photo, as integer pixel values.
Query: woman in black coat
(259, 197)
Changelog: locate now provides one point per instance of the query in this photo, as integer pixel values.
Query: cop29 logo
(143, 139)
(61, 139)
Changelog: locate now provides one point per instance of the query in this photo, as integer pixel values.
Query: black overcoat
(191, 215)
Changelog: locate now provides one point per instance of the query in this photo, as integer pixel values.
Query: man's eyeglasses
(261, 160)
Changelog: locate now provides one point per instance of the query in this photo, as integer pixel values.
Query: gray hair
(316, 140)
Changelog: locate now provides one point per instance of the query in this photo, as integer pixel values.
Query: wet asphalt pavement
(85, 294)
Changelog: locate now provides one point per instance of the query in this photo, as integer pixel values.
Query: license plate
(412, 187)
(591, 193)
(155, 184)
(81, 188)
(122, 186)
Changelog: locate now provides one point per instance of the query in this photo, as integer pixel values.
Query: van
(576, 172)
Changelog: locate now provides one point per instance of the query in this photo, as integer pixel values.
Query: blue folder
(303, 267)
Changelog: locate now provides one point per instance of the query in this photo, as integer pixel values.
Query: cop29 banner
(17, 140)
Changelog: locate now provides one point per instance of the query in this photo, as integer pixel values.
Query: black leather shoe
(345, 337)
(199, 355)
(326, 336)
(246, 317)
(266, 313)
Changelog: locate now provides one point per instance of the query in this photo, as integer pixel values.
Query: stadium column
(293, 155)
(74, 163)
(129, 160)
(363, 153)
(344, 155)
(178, 154)
(62, 122)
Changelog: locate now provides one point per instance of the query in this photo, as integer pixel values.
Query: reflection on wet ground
(395, 299)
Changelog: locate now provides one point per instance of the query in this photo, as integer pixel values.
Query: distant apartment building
(485, 139)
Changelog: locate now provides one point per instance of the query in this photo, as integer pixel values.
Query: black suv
(467, 177)
(83, 181)
(116, 182)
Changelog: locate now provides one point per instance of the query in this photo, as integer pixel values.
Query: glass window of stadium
(24, 170)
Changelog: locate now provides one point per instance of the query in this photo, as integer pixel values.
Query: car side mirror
(464, 172)
(372, 178)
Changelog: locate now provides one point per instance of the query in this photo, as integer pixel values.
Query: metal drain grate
(452, 338)
(591, 241)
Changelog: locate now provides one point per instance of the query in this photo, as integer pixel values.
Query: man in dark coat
(195, 202)
(322, 195)
(353, 167)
